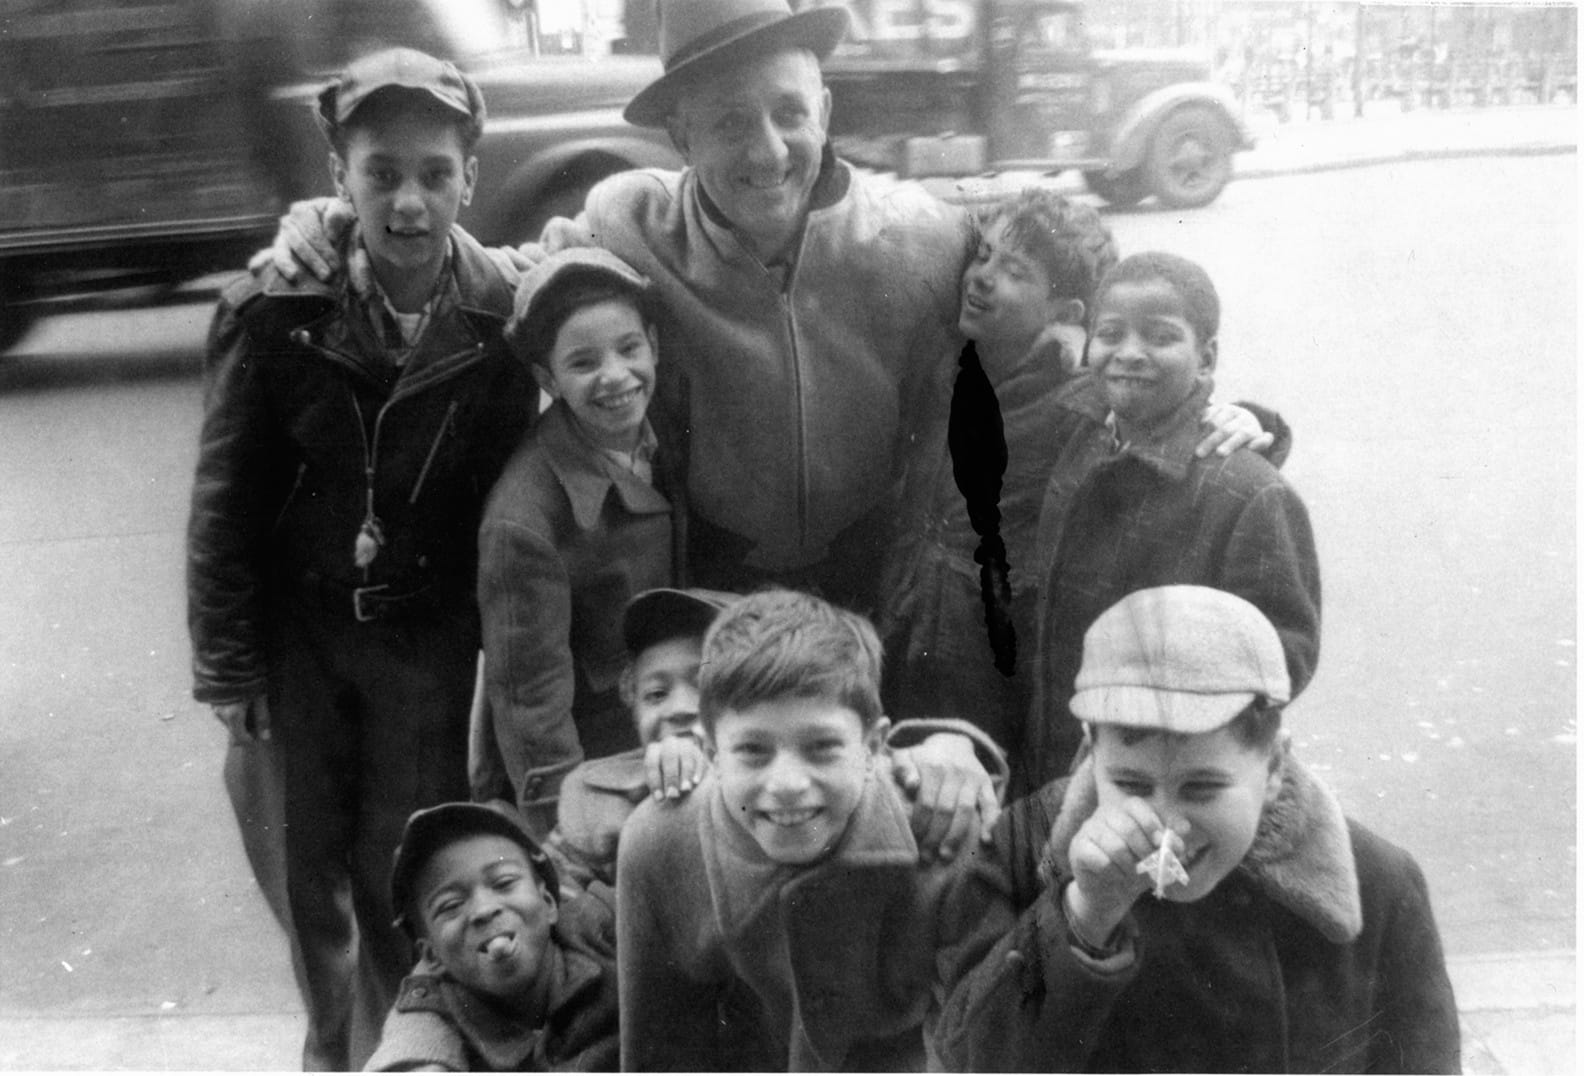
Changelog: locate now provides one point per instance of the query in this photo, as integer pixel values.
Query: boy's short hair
(434, 828)
(399, 81)
(1068, 239)
(1180, 659)
(563, 283)
(782, 644)
(1201, 303)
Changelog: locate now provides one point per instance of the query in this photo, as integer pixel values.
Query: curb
(1516, 1011)
(1338, 164)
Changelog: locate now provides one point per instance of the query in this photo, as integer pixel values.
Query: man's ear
(545, 381)
(338, 173)
(552, 900)
(825, 110)
(875, 738)
(627, 686)
(677, 130)
(469, 179)
(1278, 766)
(653, 333)
(426, 953)
(1208, 352)
(1069, 312)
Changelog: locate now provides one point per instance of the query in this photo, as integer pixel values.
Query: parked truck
(152, 141)
(966, 87)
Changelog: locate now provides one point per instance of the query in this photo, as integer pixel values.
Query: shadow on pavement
(24, 372)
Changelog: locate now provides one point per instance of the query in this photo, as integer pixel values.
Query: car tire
(1190, 158)
(1123, 189)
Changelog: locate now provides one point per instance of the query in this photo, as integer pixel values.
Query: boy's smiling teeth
(619, 400)
(789, 816)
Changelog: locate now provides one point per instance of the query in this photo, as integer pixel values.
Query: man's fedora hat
(697, 35)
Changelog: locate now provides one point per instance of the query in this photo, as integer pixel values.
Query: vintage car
(146, 142)
(965, 87)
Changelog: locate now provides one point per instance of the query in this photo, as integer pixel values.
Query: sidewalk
(1517, 1016)
(1380, 137)
(1517, 1011)
(1383, 137)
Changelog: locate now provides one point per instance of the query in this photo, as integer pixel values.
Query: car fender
(500, 216)
(1131, 137)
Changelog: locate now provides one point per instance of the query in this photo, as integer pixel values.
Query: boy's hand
(1105, 854)
(248, 722)
(558, 234)
(308, 238)
(674, 766)
(953, 796)
(1233, 427)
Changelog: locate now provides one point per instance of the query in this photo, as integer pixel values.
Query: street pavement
(1518, 1008)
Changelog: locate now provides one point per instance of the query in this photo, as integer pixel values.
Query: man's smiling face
(754, 134)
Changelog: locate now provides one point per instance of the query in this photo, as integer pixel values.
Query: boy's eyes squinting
(446, 907)
(825, 747)
(751, 752)
(1201, 791)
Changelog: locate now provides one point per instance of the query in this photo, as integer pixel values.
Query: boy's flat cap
(433, 828)
(666, 613)
(404, 68)
(536, 284)
(1182, 659)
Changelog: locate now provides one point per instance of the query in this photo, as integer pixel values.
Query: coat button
(300, 337)
(420, 991)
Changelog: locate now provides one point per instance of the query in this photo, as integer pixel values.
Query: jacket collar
(505, 1043)
(587, 476)
(746, 883)
(1170, 449)
(1302, 856)
(479, 289)
(484, 286)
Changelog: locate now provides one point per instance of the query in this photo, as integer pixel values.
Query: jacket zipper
(445, 424)
(291, 495)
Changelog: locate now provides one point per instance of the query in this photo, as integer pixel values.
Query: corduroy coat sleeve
(1270, 560)
(525, 602)
(669, 1017)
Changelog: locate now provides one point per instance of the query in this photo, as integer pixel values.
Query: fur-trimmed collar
(1302, 856)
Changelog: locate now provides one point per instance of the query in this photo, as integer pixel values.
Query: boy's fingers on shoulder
(905, 770)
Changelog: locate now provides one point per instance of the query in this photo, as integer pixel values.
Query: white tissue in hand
(1163, 866)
